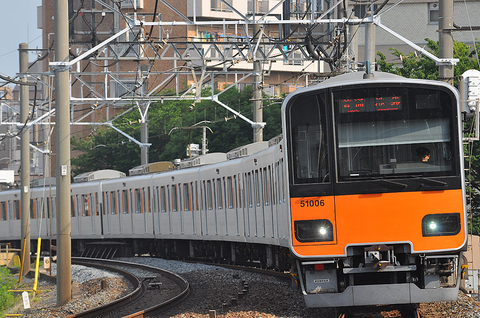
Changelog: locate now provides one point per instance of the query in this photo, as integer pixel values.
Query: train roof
(153, 167)
(359, 76)
(98, 175)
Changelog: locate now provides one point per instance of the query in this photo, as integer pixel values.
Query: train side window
(47, 202)
(309, 156)
(219, 194)
(16, 209)
(138, 201)
(113, 200)
(3, 206)
(97, 211)
(54, 207)
(249, 190)
(86, 204)
(174, 198)
(180, 201)
(93, 204)
(256, 185)
(196, 196)
(163, 200)
(125, 201)
(33, 209)
(239, 190)
(186, 197)
(209, 195)
(146, 200)
(266, 185)
(230, 193)
(156, 198)
(72, 206)
(106, 204)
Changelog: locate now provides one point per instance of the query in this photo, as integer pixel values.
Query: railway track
(154, 289)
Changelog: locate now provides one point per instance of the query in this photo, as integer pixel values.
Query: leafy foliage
(172, 125)
(6, 282)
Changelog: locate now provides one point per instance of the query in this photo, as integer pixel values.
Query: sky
(18, 22)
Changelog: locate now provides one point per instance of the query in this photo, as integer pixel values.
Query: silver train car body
(238, 200)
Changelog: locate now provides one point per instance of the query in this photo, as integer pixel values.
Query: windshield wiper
(432, 182)
(399, 184)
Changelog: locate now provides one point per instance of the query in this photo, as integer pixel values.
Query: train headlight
(441, 224)
(313, 230)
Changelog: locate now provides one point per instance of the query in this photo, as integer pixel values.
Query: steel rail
(137, 293)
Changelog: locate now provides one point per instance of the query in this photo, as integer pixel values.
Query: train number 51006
(311, 203)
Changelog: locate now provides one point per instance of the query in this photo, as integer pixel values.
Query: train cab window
(308, 139)
(393, 132)
(3, 206)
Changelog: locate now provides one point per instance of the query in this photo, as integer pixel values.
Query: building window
(218, 5)
(433, 13)
(362, 9)
(261, 7)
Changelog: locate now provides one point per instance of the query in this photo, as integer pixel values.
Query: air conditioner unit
(130, 3)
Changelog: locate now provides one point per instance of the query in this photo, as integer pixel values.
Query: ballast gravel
(217, 289)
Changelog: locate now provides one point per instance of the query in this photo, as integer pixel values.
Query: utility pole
(62, 121)
(24, 159)
(445, 40)
(144, 134)
(257, 91)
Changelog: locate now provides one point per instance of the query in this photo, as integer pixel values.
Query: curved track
(143, 300)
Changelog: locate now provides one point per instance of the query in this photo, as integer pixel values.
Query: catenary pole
(62, 120)
(445, 40)
(24, 160)
(257, 91)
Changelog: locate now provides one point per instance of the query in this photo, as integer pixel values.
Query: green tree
(169, 135)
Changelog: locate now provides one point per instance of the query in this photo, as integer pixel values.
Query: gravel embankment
(213, 287)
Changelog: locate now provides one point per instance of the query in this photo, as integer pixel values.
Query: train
(361, 198)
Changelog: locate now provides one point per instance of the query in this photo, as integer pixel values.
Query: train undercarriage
(380, 274)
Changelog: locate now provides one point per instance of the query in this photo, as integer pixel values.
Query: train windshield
(393, 131)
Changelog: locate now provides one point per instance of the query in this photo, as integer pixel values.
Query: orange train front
(376, 188)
